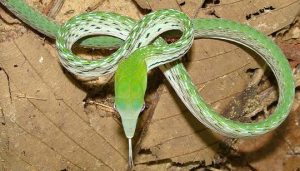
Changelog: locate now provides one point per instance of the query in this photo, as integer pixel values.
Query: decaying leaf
(47, 123)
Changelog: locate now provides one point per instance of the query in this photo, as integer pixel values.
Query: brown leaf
(46, 116)
(276, 150)
(41, 109)
(292, 52)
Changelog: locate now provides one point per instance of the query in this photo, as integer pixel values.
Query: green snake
(140, 49)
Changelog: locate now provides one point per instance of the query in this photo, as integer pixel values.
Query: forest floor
(51, 120)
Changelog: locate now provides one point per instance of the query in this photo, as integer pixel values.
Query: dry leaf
(43, 122)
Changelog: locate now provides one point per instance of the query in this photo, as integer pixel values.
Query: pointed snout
(129, 125)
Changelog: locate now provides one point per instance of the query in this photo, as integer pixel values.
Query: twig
(102, 106)
(53, 8)
(201, 87)
(199, 8)
(258, 74)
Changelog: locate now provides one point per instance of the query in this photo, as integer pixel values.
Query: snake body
(135, 57)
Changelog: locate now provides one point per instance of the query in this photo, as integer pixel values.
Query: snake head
(130, 87)
(129, 112)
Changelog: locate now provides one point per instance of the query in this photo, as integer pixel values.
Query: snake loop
(142, 33)
(136, 35)
(135, 57)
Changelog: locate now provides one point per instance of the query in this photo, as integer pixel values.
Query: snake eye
(115, 107)
(143, 108)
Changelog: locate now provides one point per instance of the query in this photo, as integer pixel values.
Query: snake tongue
(129, 125)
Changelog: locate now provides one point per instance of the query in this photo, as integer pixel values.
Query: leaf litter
(45, 110)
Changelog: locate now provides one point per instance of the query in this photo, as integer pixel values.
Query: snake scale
(140, 49)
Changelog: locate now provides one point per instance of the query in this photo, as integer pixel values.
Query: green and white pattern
(135, 57)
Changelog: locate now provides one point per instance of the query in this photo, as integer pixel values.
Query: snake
(140, 49)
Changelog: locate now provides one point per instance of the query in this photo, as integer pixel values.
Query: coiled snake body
(135, 57)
